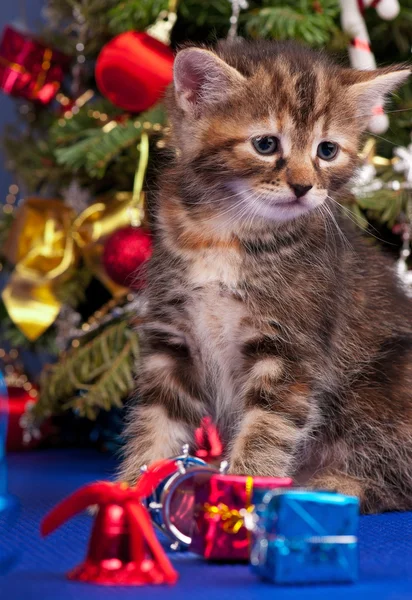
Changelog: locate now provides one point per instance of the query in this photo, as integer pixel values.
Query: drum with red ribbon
(167, 486)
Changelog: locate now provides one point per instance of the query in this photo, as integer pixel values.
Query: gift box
(222, 503)
(303, 536)
(28, 68)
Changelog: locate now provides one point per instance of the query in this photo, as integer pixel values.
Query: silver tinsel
(66, 324)
(404, 164)
(76, 197)
(368, 182)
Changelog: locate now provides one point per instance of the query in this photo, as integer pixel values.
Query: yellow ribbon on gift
(232, 519)
(46, 241)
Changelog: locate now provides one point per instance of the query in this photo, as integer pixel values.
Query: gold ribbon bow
(46, 242)
(232, 519)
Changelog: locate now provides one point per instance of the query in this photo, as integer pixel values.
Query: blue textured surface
(40, 479)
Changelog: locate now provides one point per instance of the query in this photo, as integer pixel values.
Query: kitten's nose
(299, 189)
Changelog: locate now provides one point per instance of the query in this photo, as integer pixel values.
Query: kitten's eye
(266, 144)
(327, 150)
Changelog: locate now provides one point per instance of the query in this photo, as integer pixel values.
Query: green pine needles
(95, 376)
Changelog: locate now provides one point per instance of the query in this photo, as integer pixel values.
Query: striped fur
(286, 327)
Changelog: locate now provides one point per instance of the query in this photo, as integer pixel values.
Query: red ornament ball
(125, 251)
(133, 70)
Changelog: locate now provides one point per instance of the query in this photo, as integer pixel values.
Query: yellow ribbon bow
(46, 242)
(232, 519)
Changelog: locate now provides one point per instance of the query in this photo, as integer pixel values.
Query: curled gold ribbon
(46, 241)
(232, 519)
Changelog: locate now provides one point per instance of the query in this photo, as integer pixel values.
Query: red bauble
(28, 68)
(133, 70)
(125, 251)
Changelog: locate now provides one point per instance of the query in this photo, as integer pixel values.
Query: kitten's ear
(202, 79)
(371, 88)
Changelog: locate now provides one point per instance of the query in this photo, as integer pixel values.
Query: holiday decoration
(303, 536)
(208, 444)
(9, 506)
(22, 431)
(404, 162)
(20, 434)
(3, 434)
(237, 6)
(41, 247)
(47, 239)
(133, 70)
(123, 548)
(28, 68)
(80, 149)
(125, 251)
(45, 244)
(167, 486)
(360, 54)
(222, 503)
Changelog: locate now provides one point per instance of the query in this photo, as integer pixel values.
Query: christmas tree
(92, 134)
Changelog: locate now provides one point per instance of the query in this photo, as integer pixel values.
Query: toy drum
(171, 500)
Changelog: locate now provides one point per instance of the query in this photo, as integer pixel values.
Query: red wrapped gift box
(28, 68)
(219, 532)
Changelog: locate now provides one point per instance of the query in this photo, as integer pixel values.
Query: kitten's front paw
(337, 482)
(240, 466)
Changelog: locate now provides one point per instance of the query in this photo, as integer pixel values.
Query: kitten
(266, 309)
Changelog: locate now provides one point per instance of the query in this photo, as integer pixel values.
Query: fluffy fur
(267, 310)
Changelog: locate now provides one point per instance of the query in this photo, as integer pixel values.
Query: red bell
(123, 548)
(109, 559)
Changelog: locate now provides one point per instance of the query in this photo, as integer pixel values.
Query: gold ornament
(42, 249)
(46, 241)
(369, 156)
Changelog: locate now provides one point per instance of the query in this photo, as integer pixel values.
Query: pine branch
(297, 20)
(6, 221)
(384, 206)
(135, 15)
(96, 376)
(63, 29)
(99, 146)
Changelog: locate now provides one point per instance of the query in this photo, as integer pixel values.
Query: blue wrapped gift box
(304, 536)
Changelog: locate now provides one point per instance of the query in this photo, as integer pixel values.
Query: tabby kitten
(266, 309)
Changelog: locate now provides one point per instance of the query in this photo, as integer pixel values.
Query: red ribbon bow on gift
(209, 445)
(121, 540)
